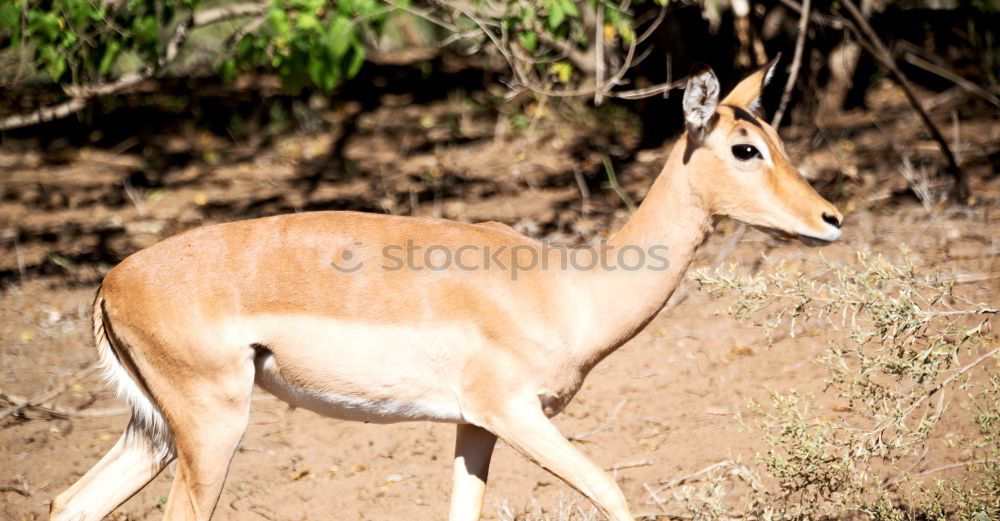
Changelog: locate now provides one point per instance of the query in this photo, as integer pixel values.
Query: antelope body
(301, 305)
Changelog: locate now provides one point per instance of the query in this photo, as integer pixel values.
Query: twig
(584, 191)
(226, 12)
(62, 412)
(816, 18)
(971, 278)
(251, 26)
(953, 77)
(665, 484)
(977, 255)
(656, 499)
(626, 65)
(44, 114)
(793, 74)
(865, 31)
(941, 468)
(629, 465)
(728, 247)
(651, 91)
(20, 259)
(599, 55)
(603, 426)
(50, 394)
(613, 181)
(644, 92)
(134, 196)
(653, 26)
(21, 491)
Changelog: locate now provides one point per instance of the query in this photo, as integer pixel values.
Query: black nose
(831, 220)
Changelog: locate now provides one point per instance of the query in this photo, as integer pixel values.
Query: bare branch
(951, 76)
(653, 26)
(651, 91)
(793, 74)
(626, 65)
(51, 393)
(816, 18)
(226, 12)
(599, 55)
(43, 114)
(56, 411)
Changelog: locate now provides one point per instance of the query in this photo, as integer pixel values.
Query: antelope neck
(671, 222)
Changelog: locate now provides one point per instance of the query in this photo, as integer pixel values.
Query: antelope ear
(701, 96)
(747, 93)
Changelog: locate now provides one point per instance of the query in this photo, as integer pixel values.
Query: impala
(185, 328)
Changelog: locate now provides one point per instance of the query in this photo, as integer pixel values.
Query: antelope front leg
(473, 449)
(525, 427)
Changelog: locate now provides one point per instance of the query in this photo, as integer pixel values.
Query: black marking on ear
(743, 132)
(695, 138)
(741, 113)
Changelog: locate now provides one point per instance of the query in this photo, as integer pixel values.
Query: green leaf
(60, 260)
(55, 63)
(46, 25)
(330, 79)
(569, 7)
(110, 53)
(627, 34)
(315, 67)
(146, 30)
(56, 68)
(307, 22)
(10, 16)
(562, 71)
(228, 70)
(338, 38)
(529, 40)
(278, 20)
(556, 15)
(357, 60)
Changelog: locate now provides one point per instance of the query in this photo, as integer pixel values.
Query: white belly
(353, 408)
(357, 372)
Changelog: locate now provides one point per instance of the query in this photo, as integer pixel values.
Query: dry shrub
(564, 510)
(904, 347)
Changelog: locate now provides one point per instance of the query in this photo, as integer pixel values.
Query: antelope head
(742, 169)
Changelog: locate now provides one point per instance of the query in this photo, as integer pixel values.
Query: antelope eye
(746, 152)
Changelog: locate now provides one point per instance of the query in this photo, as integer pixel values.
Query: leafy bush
(79, 41)
(309, 42)
(93, 48)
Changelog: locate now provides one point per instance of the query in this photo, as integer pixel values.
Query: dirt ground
(669, 403)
